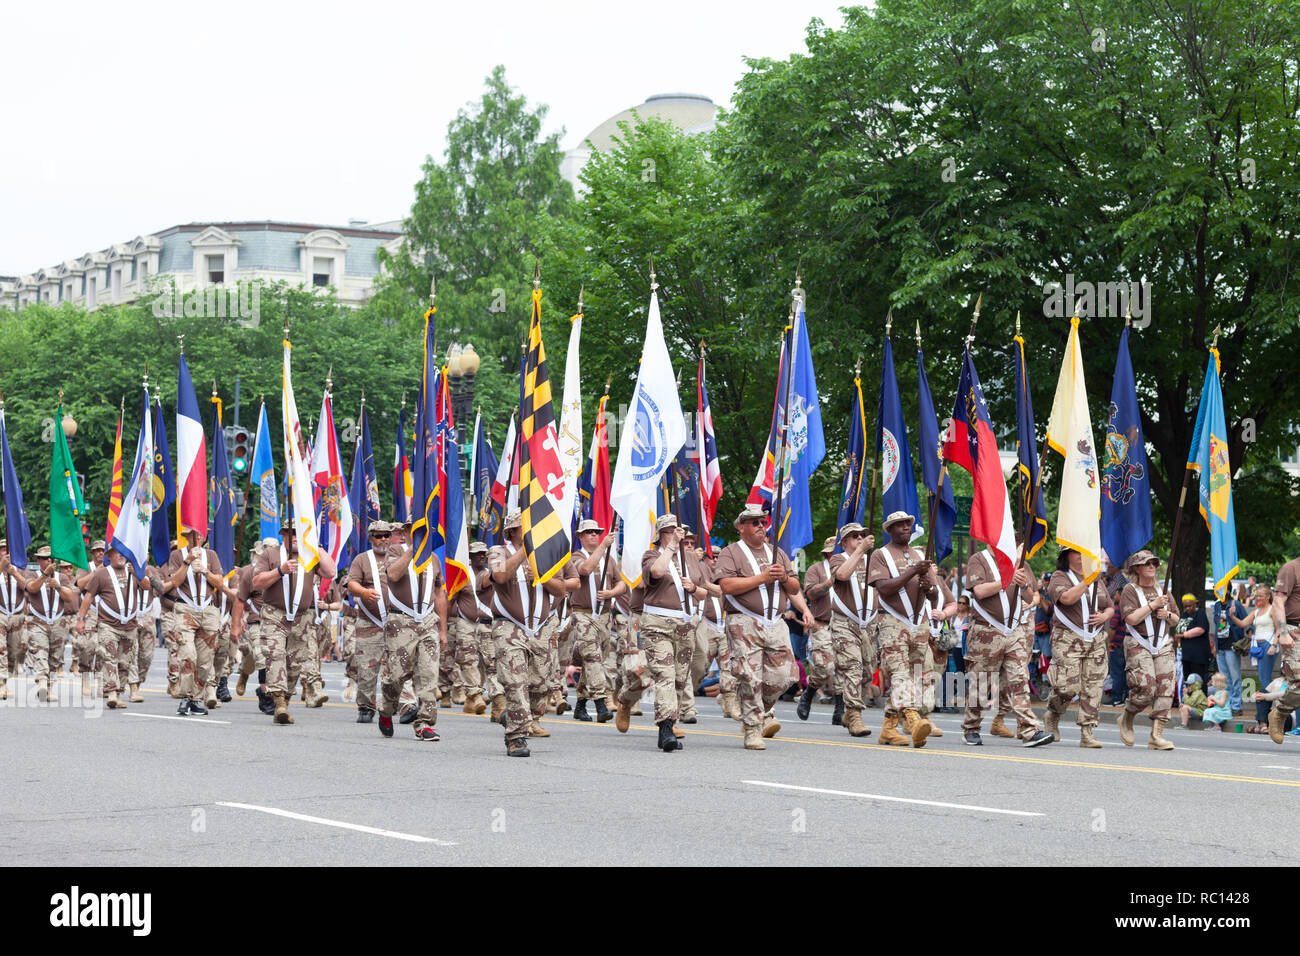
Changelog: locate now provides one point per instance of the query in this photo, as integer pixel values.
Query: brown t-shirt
(362, 572)
(631, 601)
(661, 592)
(1288, 589)
(878, 570)
(1097, 596)
(510, 596)
(844, 590)
(177, 561)
(979, 571)
(244, 589)
(399, 591)
(273, 596)
(732, 563)
(13, 592)
(581, 599)
(36, 602)
(818, 574)
(100, 586)
(1128, 603)
(465, 606)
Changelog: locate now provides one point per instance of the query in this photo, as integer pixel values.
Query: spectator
(1194, 700)
(1226, 635)
(1193, 636)
(1263, 649)
(1115, 583)
(1043, 619)
(1216, 711)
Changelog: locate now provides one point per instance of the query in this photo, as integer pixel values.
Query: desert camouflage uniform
(366, 648)
(196, 624)
(1078, 665)
(13, 624)
(997, 670)
(411, 653)
(1150, 676)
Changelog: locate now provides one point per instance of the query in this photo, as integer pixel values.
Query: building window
(216, 269)
(321, 270)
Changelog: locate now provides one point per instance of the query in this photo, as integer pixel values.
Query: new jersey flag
(1209, 457)
(1125, 486)
(191, 459)
(1069, 433)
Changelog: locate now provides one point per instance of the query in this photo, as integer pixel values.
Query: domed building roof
(690, 112)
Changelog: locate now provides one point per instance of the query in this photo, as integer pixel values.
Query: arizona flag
(970, 443)
(1209, 457)
(706, 449)
(1069, 433)
(191, 460)
(333, 510)
(115, 487)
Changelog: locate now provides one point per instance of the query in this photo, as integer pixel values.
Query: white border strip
(876, 796)
(393, 834)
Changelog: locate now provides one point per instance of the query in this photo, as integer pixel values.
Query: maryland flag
(541, 476)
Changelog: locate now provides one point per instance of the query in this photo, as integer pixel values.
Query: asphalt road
(98, 787)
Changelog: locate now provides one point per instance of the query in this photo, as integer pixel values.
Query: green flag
(66, 505)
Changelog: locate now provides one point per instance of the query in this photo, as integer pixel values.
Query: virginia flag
(223, 501)
(897, 479)
(491, 515)
(853, 490)
(1125, 485)
(1032, 509)
(332, 508)
(164, 491)
(706, 451)
(571, 423)
(131, 534)
(654, 433)
(264, 475)
(297, 472)
(67, 508)
(402, 490)
(970, 443)
(933, 473)
(1069, 433)
(1209, 457)
(191, 459)
(18, 532)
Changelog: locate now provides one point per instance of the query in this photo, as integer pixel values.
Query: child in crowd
(1194, 700)
(1218, 712)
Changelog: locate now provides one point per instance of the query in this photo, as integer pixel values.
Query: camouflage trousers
(699, 651)
(819, 668)
(717, 648)
(288, 645)
(252, 654)
(907, 663)
(462, 637)
(1078, 668)
(609, 653)
(522, 667)
(669, 643)
(411, 652)
(997, 670)
(1289, 668)
(169, 644)
(146, 643)
(1150, 678)
(632, 679)
(45, 646)
(589, 636)
(368, 645)
(854, 655)
(108, 654)
(761, 662)
(551, 631)
(13, 643)
(319, 639)
(195, 635)
(450, 676)
(84, 645)
(222, 656)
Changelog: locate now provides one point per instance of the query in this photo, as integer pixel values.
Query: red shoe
(386, 726)
(427, 733)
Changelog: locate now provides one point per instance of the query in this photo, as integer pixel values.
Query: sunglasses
(380, 534)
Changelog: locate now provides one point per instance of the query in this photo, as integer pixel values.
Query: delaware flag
(1069, 433)
(18, 533)
(297, 471)
(1033, 512)
(264, 475)
(1209, 457)
(115, 482)
(223, 501)
(853, 490)
(1125, 486)
(67, 508)
(402, 489)
(491, 515)
(932, 470)
(132, 532)
(330, 494)
(164, 491)
(706, 450)
(970, 443)
(191, 459)
(897, 479)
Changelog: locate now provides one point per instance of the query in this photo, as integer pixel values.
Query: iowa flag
(1209, 457)
(1069, 433)
(541, 476)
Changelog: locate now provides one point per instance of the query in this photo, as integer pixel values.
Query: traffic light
(238, 450)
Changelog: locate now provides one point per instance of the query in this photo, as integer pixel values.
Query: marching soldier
(590, 569)
(757, 580)
(470, 627)
(997, 657)
(195, 575)
(368, 583)
(1149, 661)
(113, 590)
(136, 648)
(1082, 613)
(415, 637)
(13, 616)
(284, 589)
(713, 623)
(854, 629)
(51, 597)
(321, 634)
(246, 632)
(905, 582)
(521, 608)
(83, 643)
(633, 678)
(817, 584)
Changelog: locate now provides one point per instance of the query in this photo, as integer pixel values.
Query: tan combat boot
(87, 684)
(677, 731)
(282, 715)
(622, 717)
(498, 707)
(173, 688)
(1087, 740)
(1276, 725)
(210, 697)
(889, 732)
(1157, 741)
(1125, 724)
(537, 730)
(458, 695)
(241, 685)
(113, 703)
(754, 738)
(480, 705)
(729, 706)
(136, 696)
(445, 700)
(934, 728)
(918, 727)
(471, 705)
(999, 729)
(853, 722)
(1052, 723)
(771, 726)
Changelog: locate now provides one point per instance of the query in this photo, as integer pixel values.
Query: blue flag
(1033, 512)
(222, 495)
(897, 479)
(490, 514)
(363, 494)
(164, 492)
(805, 443)
(18, 532)
(264, 476)
(426, 531)
(1125, 485)
(1209, 457)
(853, 492)
(685, 477)
(932, 471)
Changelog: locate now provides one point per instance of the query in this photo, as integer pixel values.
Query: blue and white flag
(1209, 457)
(264, 475)
(897, 479)
(17, 530)
(131, 536)
(933, 473)
(1126, 525)
(164, 491)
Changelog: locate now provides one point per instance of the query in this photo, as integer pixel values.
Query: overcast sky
(123, 119)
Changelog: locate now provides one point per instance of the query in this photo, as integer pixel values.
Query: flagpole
(779, 489)
(1182, 498)
(875, 468)
(677, 512)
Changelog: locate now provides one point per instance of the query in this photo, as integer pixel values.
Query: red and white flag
(333, 510)
(191, 460)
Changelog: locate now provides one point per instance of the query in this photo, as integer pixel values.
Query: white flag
(296, 457)
(651, 437)
(1069, 433)
(571, 429)
(135, 520)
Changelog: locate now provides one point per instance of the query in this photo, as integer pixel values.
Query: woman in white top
(1263, 648)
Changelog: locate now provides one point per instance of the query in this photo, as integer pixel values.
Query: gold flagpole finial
(181, 339)
(60, 396)
(889, 321)
(329, 379)
(1218, 330)
(797, 292)
(857, 367)
(403, 398)
(609, 380)
(214, 388)
(1128, 313)
(537, 274)
(975, 317)
(433, 288)
(581, 289)
(1017, 321)
(363, 398)
(1078, 306)
(918, 335)
(654, 283)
